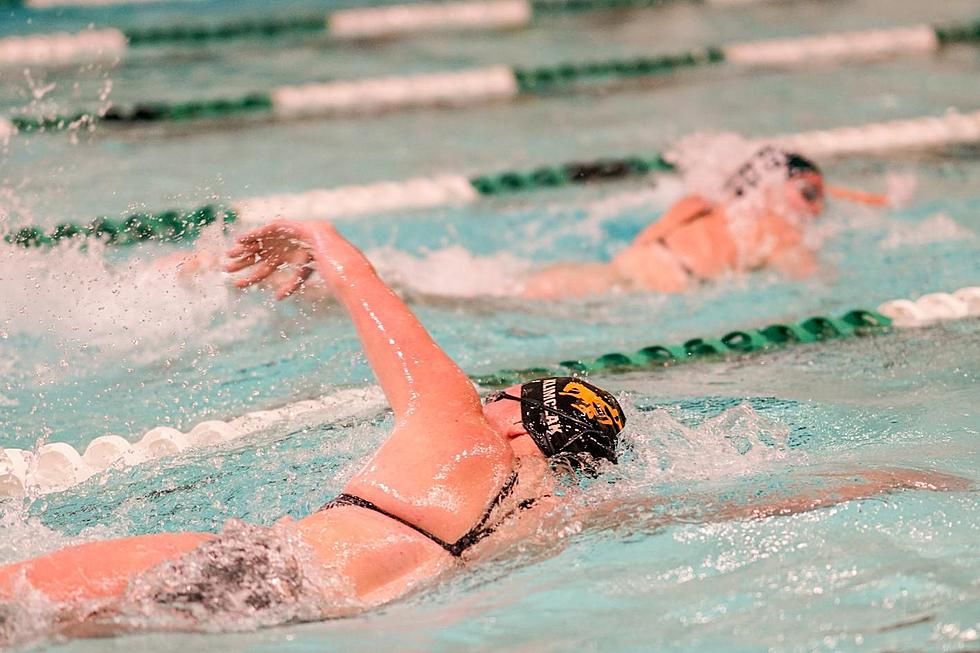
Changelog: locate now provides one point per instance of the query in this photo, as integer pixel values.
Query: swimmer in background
(759, 222)
(456, 479)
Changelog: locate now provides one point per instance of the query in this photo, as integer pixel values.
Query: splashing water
(737, 442)
(246, 577)
(707, 160)
(451, 272)
(76, 298)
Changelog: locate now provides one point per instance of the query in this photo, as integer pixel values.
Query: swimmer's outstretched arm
(820, 491)
(841, 487)
(415, 373)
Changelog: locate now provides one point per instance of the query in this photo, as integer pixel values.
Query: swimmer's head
(776, 178)
(804, 185)
(569, 419)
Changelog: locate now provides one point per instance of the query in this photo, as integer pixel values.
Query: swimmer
(456, 478)
(768, 204)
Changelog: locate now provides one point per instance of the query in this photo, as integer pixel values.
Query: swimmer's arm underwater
(833, 489)
(410, 366)
(796, 262)
(841, 487)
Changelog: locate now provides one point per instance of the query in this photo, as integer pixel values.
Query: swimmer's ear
(859, 196)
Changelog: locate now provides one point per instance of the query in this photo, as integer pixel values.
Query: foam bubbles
(452, 272)
(706, 161)
(737, 442)
(246, 577)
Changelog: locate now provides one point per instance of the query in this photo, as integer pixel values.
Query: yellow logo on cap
(592, 405)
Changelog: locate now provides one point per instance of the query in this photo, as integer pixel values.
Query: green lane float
(456, 189)
(468, 86)
(858, 322)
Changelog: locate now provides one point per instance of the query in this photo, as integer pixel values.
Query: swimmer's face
(805, 194)
(505, 418)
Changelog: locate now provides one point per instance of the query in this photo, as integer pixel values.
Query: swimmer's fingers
(294, 282)
(268, 234)
(240, 250)
(264, 269)
(241, 262)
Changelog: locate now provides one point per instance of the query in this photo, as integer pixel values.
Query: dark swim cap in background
(568, 416)
(797, 164)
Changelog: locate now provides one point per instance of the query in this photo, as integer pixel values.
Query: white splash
(77, 297)
(737, 442)
(451, 272)
(937, 228)
(707, 160)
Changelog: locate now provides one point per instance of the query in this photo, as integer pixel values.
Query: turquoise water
(95, 342)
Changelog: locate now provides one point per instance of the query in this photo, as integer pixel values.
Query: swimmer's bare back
(691, 243)
(447, 458)
(647, 264)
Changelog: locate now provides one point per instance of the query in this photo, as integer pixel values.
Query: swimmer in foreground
(456, 477)
(759, 221)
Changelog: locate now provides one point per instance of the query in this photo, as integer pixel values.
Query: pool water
(101, 341)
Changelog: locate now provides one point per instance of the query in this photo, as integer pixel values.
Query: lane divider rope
(454, 189)
(469, 86)
(49, 4)
(57, 466)
(358, 23)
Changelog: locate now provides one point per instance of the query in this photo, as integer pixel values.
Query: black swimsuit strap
(662, 240)
(456, 549)
(480, 531)
(351, 500)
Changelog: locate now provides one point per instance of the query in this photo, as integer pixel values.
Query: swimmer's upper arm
(417, 376)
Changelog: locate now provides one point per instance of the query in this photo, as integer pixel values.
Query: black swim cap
(567, 417)
(797, 164)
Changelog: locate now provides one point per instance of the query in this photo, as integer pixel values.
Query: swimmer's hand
(278, 245)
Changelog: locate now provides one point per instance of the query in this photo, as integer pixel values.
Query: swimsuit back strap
(351, 500)
(456, 549)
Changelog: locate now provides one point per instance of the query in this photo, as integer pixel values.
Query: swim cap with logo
(567, 417)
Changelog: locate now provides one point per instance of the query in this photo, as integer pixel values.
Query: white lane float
(62, 48)
(932, 308)
(57, 466)
(401, 20)
(105, 450)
